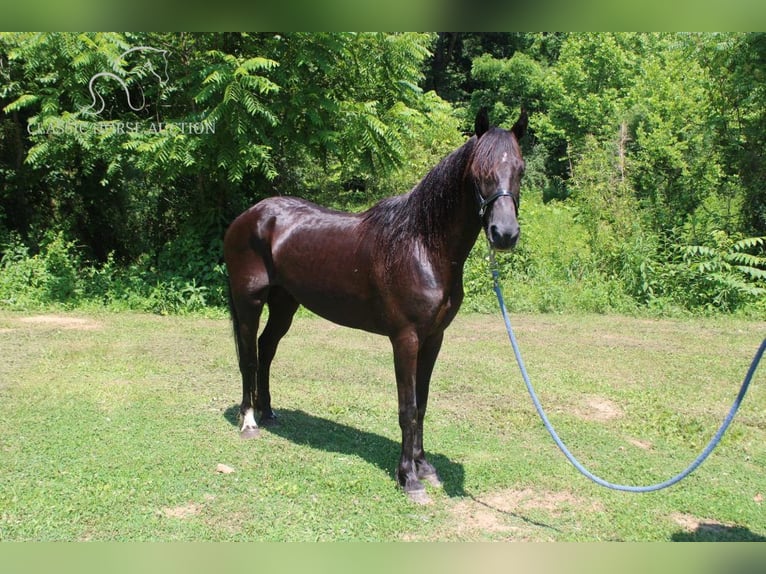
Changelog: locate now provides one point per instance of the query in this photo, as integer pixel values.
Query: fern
(727, 271)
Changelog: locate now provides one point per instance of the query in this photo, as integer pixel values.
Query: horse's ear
(520, 127)
(482, 122)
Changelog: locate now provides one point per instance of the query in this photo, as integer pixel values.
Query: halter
(484, 203)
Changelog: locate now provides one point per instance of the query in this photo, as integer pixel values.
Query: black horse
(396, 270)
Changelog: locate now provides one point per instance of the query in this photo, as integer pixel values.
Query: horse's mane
(422, 213)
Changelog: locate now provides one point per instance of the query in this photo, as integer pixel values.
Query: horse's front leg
(425, 366)
(405, 364)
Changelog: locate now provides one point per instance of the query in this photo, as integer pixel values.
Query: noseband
(484, 203)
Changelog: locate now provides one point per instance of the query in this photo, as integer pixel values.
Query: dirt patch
(691, 523)
(505, 513)
(527, 499)
(183, 511)
(472, 518)
(599, 409)
(62, 322)
(642, 444)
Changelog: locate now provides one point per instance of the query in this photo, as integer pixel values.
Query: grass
(114, 426)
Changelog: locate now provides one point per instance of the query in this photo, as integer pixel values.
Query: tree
(736, 63)
(147, 135)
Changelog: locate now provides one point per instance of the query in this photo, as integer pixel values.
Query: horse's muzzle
(503, 239)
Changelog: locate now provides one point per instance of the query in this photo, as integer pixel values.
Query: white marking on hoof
(249, 427)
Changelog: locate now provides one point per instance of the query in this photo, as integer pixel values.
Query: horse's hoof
(269, 420)
(432, 479)
(249, 432)
(415, 490)
(419, 497)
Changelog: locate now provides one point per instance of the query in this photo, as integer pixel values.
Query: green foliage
(552, 270)
(737, 91)
(643, 157)
(590, 77)
(228, 119)
(48, 277)
(21, 276)
(643, 134)
(353, 103)
(58, 277)
(236, 99)
(515, 81)
(722, 275)
(430, 137)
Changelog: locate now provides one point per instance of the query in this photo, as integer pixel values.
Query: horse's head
(496, 170)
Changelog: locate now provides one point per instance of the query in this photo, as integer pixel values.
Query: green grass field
(114, 427)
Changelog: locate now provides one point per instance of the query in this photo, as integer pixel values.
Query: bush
(48, 277)
(56, 276)
(720, 276)
(21, 275)
(561, 265)
(552, 270)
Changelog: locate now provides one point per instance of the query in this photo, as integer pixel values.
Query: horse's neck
(440, 212)
(464, 219)
(466, 225)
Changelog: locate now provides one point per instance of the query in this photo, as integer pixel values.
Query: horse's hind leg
(247, 315)
(282, 308)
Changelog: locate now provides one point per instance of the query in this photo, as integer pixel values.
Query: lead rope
(660, 485)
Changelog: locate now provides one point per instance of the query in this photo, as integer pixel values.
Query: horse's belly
(343, 300)
(348, 312)
(353, 298)
(332, 280)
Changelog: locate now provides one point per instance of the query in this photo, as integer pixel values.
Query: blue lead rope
(660, 485)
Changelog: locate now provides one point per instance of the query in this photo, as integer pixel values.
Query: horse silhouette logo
(145, 69)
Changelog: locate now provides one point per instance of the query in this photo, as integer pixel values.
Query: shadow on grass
(324, 434)
(706, 532)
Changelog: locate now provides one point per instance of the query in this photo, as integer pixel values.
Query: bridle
(485, 202)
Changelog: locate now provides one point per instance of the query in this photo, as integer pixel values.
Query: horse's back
(272, 222)
(318, 255)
